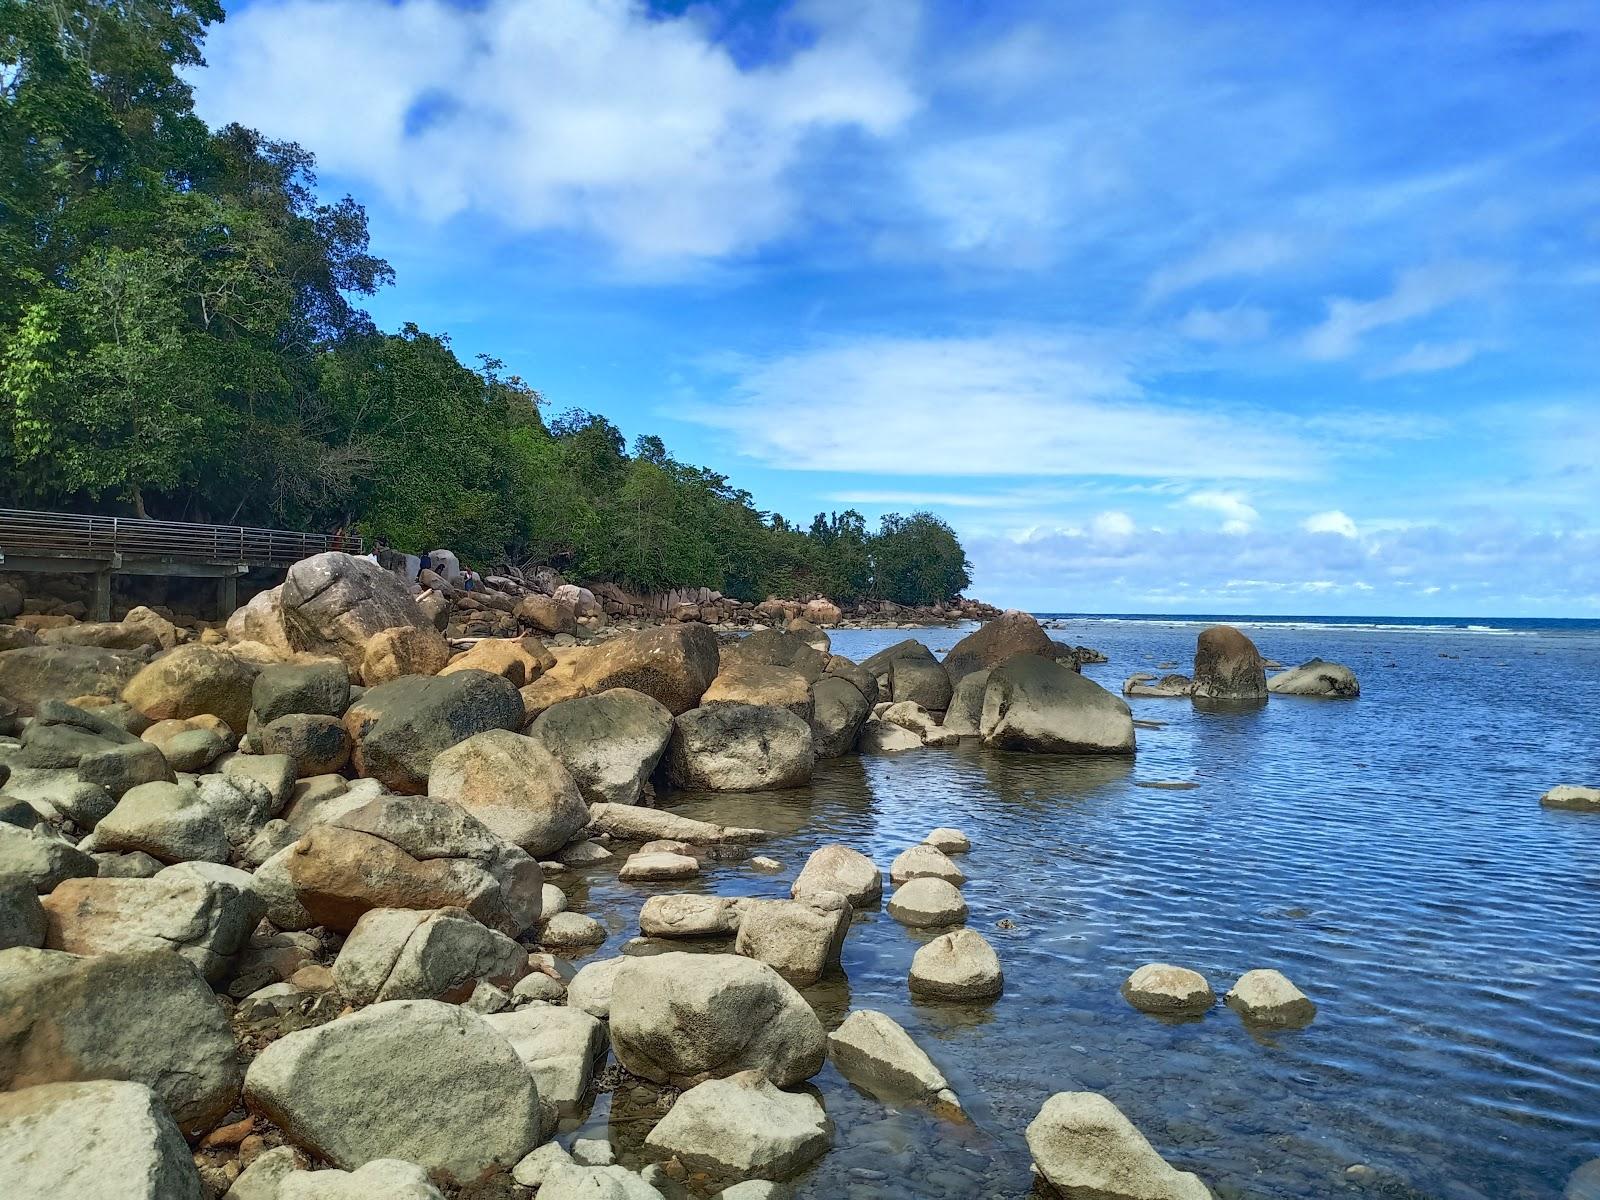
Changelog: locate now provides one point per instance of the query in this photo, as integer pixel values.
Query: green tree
(918, 559)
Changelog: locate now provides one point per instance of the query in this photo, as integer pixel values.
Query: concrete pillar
(100, 607)
(227, 596)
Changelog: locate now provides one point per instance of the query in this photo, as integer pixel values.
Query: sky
(1165, 307)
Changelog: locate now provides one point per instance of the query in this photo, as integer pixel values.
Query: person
(467, 577)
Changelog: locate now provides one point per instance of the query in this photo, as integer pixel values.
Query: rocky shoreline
(281, 914)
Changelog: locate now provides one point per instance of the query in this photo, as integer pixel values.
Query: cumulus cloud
(1111, 525)
(590, 116)
(1047, 404)
(1333, 521)
(1417, 292)
(1239, 516)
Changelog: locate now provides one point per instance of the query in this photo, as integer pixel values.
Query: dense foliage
(177, 334)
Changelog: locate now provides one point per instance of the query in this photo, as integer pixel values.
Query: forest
(181, 337)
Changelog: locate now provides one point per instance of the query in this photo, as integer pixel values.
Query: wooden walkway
(45, 543)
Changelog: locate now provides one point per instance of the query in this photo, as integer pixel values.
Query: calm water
(1388, 854)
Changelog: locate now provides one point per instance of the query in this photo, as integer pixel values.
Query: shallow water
(1388, 854)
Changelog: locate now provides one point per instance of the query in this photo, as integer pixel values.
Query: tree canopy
(180, 333)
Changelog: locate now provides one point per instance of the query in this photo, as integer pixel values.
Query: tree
(918, 560)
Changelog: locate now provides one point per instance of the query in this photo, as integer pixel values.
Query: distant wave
(1506, 627)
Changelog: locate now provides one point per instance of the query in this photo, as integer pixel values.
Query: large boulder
(40, 858)
(1325, 680)
(398, 727)
(866, 682)
(418, 1080)
(776, 648)
(515, 786)
(799, 939)
(31, 674)
(21, 916)
(1083, 1146)
(314, 743)
(93, 1141)
(336, 603)
(685, 1018)
(764, 686)
(742, 1127)
(610, 742)
(167, 821)
(404, 650)
(259, 621)
(924, 683)
(520, 660)
(838, 711)
(412, 852)
(547, 614)
(1011, 633)
(406, 954)
(957, 966)
(739, 748)
(192, 681)
(559, 1046)
(873, 1052)
(1034, 704)
(144, 1015)
(1227, 666)
(673, 664)
(965, 714)
(321, 687)
(880, 662)
(205, 921)
(843, 870)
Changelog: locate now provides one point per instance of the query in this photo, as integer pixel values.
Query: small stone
(567, 930)
(958, 966)
(583, 853)
(1266, 997)
(685, 915)
(593, 1152)
(924, 860)
(380, 1179)
(949, 841)
(552, 901)
(762, 863)
(926, 901)
(1165, 989)
(537, 1164)
(652, 868)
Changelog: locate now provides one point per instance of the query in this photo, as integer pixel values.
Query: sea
(1389, 854)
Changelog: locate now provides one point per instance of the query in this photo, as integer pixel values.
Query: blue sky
(1251, 307)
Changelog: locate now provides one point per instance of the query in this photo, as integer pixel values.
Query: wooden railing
(67, 535)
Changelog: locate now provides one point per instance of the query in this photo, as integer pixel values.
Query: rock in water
(145, 1015)
(690, 916)
(1227, 666)
(515, 786)
(873, 1052)
(1266, 997)
(92, 1141)
(761, 685)
(925, 861)
(927, 901)
(397, 728)
(334, 604)
(631, 823)
(740, 748)
(1084, 1147)
(951, 841)
(840, 869)
(799, 939)
(958, 966)
(1316, 678)
(1034, 704)
(1011, 633)
(743, 1127)
(685, 1018)
(1165, 989)
(1572, 798)
(915, 681)
(610, 742)
(1169, 687)
(838, 711)
(965, 714)
(426, 1082)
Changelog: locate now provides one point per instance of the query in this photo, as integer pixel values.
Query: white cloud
(1417, 292)
(1006, 405)
(1226, 326)
(1234, 507)
(1241, 254)
(1111, 525)
(1430, 356)
(589, 116)
(1332, 521)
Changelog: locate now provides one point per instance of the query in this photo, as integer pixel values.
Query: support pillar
(227, 596)
(100, 607)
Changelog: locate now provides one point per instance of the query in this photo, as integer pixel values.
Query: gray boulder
(957, 966)
(40, 858)
(590, 990)
(741, 1127)
(799, 939)
(167, 821)
(1324, 680)
(925, 860)
(1011, 633)
(431, 1083)
(333, 604)
(30, 675)
(397, 728)
(404, 954)
(1165, 989)
(119, 768)
(1083, 1146)
(739, 748)
(838, 711)
(927, 901)
(1037, 705)
(686, 915)
(1266, 997)
(840, 869)
(610, 742)
(965, 713)
(873, 1052)
(313, 687)
(316, 744)
(21, 916)
(924, 683)
(515, 786)
(561, 1047)
(380, 1179)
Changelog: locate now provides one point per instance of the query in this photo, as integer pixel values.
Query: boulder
(518, 660)
(314, 743)
(879, 663)
(1266, 997)
(570, 1181)
(570, 930)
(406, 954)
(412, 852)
(924, 860)
(632, 823)
(873, 1052)
(167, 821)
(93, 1141)
(927, 901)
(1011, 633)
(800, 939)
(919, 682)
(1167, 990)
(275, 772)
(839, 869)
(1145, 684)
(1227, 666)
(1037, 705)
(1572, 798)
(143, 1015)
(404, 650)
(515, 786)
(1324, 680)
(739, 748)
(260, 620)
(965, 714)
(334, 604)
(674, 664)
(241, 804)
(1083, 1146)
(743, 1127)
(547, 614)
(864, 680)
(41, 859)
(658, 867)
(764, 686)
(950, 841)
(610, 742)
(774, 648)
(398, 727)
(430, 1083)
(31, 674)
(957, 966)
(192, 749)
(885, 737)
(684, 1018)
(560, 1047)
(687, 915)
(838, 711)
(21, 916)
(192, 681)
(822, 611)
(204, 921)
(380, 1179)
(321, 687)
(591, 988)
(266, 1172)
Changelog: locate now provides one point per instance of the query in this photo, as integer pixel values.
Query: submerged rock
(1316, 678)
(741, 1127)
(1266, 997)
(1165, 989)
(958, 966)
(1084, 1147)
(1227, 666)
(1572, 798)
(873, 1052)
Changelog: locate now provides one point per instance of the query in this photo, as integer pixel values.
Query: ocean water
(1388, 854)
